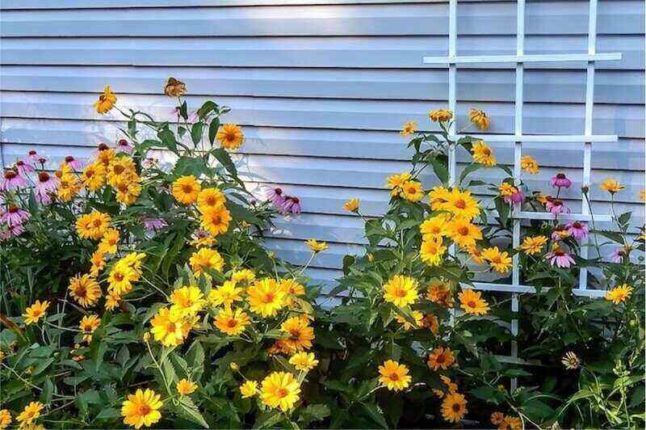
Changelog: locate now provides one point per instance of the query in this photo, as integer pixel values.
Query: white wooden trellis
(518, 138)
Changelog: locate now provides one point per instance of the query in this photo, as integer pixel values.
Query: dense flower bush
(137, 291)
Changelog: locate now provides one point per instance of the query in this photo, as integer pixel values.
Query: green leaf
(375, 414)
(190, 411)
(440, 169)
(196, 132)
(206, 108)
(167, 139)
(468, 170)
(225, 159)
(213, 129)
(108, 414)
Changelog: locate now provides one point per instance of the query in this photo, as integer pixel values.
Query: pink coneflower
(24, 166)
(559, 258)
(12, 180)
(516, 198)
(33, 155)
(561, 181)
(154, 224)
(292, 204)
(14, 216)
(42, 161)
(73, 162)
(11, 231)
(124, 146)
(275, 195)
(578, 230)
(560, 232)
(45, 185)
(555, 206)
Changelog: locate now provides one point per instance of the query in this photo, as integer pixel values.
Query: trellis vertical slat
(453, 41)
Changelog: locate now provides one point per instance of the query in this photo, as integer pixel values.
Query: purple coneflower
(516, 198)
(292, 204)
(73, 162)
(12, 180)
(24, 166)
(124, 146)
(555, 206)
(275, 195)
(11, 231)
(33, 155)
(154, 224)
(561, 181)
(560, 232)
(559, 258)
(45, 185)
(14, 216)
(578, 230)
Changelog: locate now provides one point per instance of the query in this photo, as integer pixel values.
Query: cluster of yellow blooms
(26, 419)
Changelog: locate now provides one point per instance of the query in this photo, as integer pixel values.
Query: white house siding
(322, 88)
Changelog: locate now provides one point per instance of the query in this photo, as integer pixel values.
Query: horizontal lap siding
(322, 88)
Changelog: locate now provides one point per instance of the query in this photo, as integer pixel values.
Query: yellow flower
(120, 169)
(249, 389)
(483, 154)
(186, 189)
(409, 128)
(441, 358)
(529, 164)
(125, 272)
(299, 334)
(497, 418)
(351, 205)
(459, 203)
(202, 239)
(439, 293)
(412, 191)
(642, 195)
(35, 312)
(417, 316)
(210, 198)
(395, 182)
(226, 294)
(401, 291)
(434, 227)
(174, 88)
(142, 408)
(619, 294)
(216, 221)
(265, 298)
(463, 233)
(68, 187)
(454, 407)
(185, 387)
(106, 101)
(230, 136)
(438, 197)
(472, 302)
(303, 361)
(188, 299)
(506, 189)
(93, 176)
(170, 327)
(479, 119)
(394, 376)
(440, 115)
(128, 189)
(88, 325)
(280, 390)
(85, 290)
(292, 287)
(533, 245)
(611, 185)
(510, 423)
(92, 225)
(30, 413)
(109, 241)
(244, 275)
(112, 300)
(232, 321)
(432, 250)
(316, 246)
(206, 259)
(499, 261)
(5, 419)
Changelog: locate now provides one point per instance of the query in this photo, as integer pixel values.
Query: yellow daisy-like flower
(439, 292)
(280, 390)
(292, 287)
(30, 414)
(142, 408)
(440, 115)
(186, 189)
(226, 294)
(394, 376)
(351, 205)
(463, 233)
(438, 196)
(230, 136)
(265, 297)
(232, 321)
(249, 389)
(510, 423)
(417, 316)
(316, 246)
(188, 299)
(206, 259)
(506, 189)
(216, 221)
(533, 245)
(454, 407)
(619, 294)
(412, 191)
(611, 185)
(410, 127)
(5, 419)
(169, 327)
(35, 312)
(109, 241)
(85, 290)
(210, 198)
(244, 275)
(459, 203)
(69, 186)
(401, 291)
(303, 361)
(93, 176)
(88, 325)
(299, 334)
(93, 225)
(479, 119)
(441, 358)
(529, 164)
(185, 387)
(432, 250)
(128, 190)
(500, 261)
(120, 169)
(106, 101)
(395, 182)
(472, 302)
(112, 300)
(483, 154)
(434, 227)
(125, 272)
